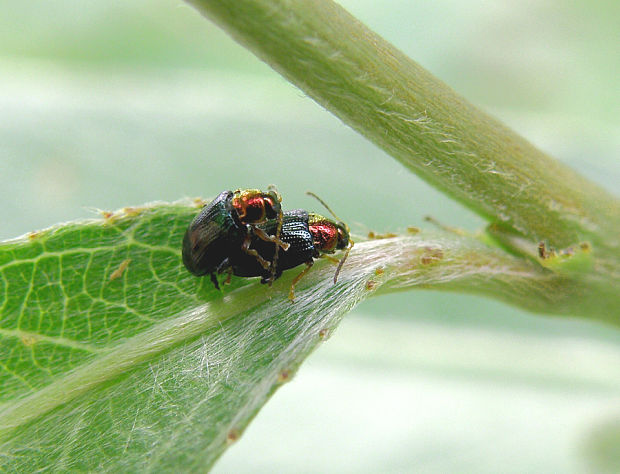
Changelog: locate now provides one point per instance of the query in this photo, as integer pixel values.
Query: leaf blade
(165, 371)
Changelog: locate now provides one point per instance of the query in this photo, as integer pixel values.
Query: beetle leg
(277, 241)
(330, 258)
(214, 280)
(246, 248)
(260, 233)
(274, 262)
(291, 293)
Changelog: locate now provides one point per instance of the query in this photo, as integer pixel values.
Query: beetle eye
(271, 208)
(343, 238)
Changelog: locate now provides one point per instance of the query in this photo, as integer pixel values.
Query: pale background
(105, 104)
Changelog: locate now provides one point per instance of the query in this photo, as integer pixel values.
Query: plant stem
(390, 99)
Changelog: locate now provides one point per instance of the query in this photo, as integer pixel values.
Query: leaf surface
(115, 357)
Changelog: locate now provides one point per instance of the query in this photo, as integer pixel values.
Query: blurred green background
(105, 104)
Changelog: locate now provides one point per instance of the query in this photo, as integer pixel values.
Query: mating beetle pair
(246, 234)
(226, 226)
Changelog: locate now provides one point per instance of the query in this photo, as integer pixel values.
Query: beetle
(309, 236)
(227, 225)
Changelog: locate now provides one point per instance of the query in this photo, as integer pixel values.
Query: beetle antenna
(341, 263)
(274, 188)
(310, 193)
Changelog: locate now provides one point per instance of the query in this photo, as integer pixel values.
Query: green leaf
(115, 357)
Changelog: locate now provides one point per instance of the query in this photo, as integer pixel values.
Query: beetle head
(254, 206)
